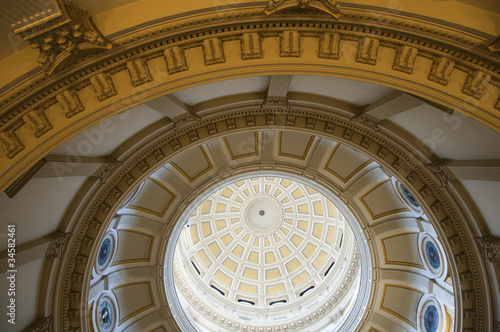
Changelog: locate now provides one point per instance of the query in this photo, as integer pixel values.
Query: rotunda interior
(255, 166)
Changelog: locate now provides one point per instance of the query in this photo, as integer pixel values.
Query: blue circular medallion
(105, 315)
(104, 251)
(432, 255)
(431, 319)
(409, 196)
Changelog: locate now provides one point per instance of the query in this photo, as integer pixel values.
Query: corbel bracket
(59, 34)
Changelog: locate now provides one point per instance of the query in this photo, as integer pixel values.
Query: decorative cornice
(330, 7)
(67, 34)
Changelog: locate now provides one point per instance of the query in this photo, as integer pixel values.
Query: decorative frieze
(398, 164)
(329, 46)
(212, 128)
(115, 193)
(143, 166)
(213, 51)
(103, 86)
(175, 143)
(250, 120)
(367, 51)
(128, 178)
(10, 143)
(425, 191)
(95, 224)
(290, 44)
(270, 119)
(176, 60)
(138, 70)
(193, 135)
(405, 59)
(348, 132)
(104, 207)
(475, 84)
(329, 126)
(158, 153)
(366, 141)
(38, 122)
(382, 152)
(251, 46)
(441, 70)
(230, 123)
(310, 122)
(70, 103)
(446, 223)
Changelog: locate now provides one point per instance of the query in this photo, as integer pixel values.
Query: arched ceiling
(58, 193)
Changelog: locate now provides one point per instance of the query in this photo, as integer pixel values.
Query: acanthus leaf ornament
(331, 7)
(64, 34)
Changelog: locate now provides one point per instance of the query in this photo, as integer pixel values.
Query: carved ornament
(108, 166)
(58, 240)
(63, 35)
(40, 325)
(438, 167)
(491, 248)
(495, 46)
(329, 6)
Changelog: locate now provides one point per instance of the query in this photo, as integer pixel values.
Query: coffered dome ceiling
(222, 169)
(270, 247)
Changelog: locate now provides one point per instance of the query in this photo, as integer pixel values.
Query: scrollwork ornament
(64, 36)
(491, 248)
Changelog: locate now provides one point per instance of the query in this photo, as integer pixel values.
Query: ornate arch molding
(472, 311)
(451, 69)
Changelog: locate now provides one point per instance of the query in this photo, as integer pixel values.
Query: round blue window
(104, 251)
(105, 315)
(431, 319)
(409, 196)
(432, 255)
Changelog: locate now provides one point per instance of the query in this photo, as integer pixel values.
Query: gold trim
(398, 262)
(139, 310)
(148, 259)
(162, 326)
(210, 167)
(304, 155)
(162, 214)
(394, 313)
(372, 329)
(233, 157)
(353, 173)
(384, 214)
